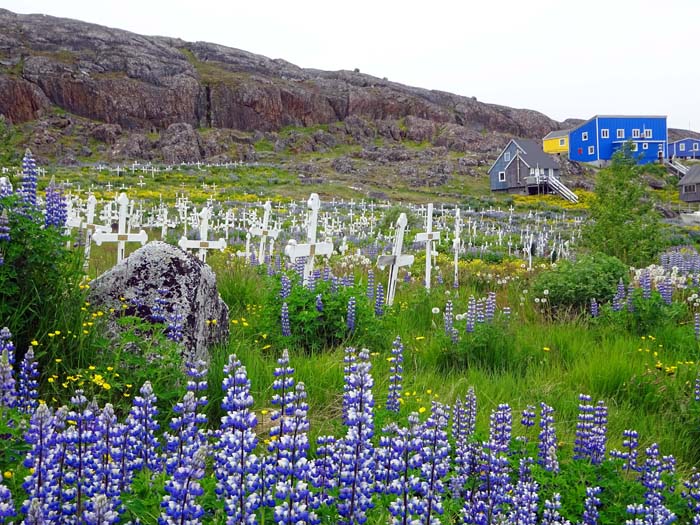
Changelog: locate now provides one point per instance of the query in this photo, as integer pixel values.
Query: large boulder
(140, 279)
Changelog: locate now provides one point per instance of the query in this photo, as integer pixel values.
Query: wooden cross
(428, 237)
(264, 231)
(122, 236)
(311, 248)
(396, 260)
(203, 244)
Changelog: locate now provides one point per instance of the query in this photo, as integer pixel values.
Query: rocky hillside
(120, 89)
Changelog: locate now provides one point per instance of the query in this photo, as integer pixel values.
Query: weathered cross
(264, 231)
(396, 260)
(457, 243)
(311, 248)
(122, 236)
(203, 244)
(428, 237)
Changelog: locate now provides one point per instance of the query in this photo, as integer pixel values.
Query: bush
(574, 284)
(646, 315)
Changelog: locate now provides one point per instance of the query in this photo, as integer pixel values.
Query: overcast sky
(561, 57)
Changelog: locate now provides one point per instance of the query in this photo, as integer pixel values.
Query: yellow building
(556, 142)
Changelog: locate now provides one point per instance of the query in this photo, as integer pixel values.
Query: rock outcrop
(159, 271)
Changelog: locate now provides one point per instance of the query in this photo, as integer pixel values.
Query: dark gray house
(520, 166)
(689, 185)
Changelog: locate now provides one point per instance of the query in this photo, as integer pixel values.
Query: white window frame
(604, 133)
(681, 147)
(696, 147)
(506, 156)
(635, 146)
(636, 133)
(645, 145)
(501, 176)
(689, 188)
(620, 133)
(647, 133)
(591, 150)
(584, 135)
(562, 142)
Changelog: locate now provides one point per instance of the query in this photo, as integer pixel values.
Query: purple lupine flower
(594, 308)
(7, 507)
(56, 213)
(525, 469)
(584, 428)
(630, 298)
(286, 287)
(111, 477)
(286, 329)
(480, 315)
(379, 301)
(180, 503)
(237, 468)
(41, 437)
(525, 498)
(645, 284)
(29, 179)
(51, 492)
(470, 412)
(466, 452)
(631, 443)
(500, 428)
(619, 297)
(448, 318)
(527, 420)
(471, 314)
(35, 515)
(326, 273)
(5, 188)
(696, 319)
(384, 456)
(590, 506)
(4, 226)
(435, 463)
(292, 468)
(396, 376)
(323, 473)
(407, 446)
(27, 395)
(599, 436)
(654, 509)
(8, 387)
(319, 303)
(142, 444)
(102, 512)
(356, 450)
(691, 494)
(551, 515)
(547, 446)
(370, 285)
(667, 291)
(350, 318)
(697, 387)
(185, 436)
(490, 306)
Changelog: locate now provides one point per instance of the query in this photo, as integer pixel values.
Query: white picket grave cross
(396, 260)
(122, 236)
(428, 237)
(88, 225)
(264, 231)
(311, 248)
(247, 251)
(203, 244)
(457, 243)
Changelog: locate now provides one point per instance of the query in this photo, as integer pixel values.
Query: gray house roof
(557, 134)
(533, 155)
(692, 177)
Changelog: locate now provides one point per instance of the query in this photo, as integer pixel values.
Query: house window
(591, 150)
(689, 188)
(695, 146)
(620, 133)
(647, 133)
(501, 176)
(562, 142)
(551, 172)
(532, 171)
(635, 134)
(604, 133)
(681, 147)
(645, 145)
(506, 156)
(584, 135)
(635, 146)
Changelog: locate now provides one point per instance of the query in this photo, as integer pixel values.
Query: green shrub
(574, 284)
(647, 315)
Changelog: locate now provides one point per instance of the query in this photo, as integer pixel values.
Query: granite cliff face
(146, 84)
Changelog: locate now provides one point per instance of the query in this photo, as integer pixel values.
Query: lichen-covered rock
(191, 292)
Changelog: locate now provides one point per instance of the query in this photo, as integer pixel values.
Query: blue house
(596, 140)
(687, 148)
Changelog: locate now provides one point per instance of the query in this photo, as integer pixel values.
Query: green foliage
(9, 136)
(391, 215)
(39, 280)
(647, 315)
(264, 145)
(574, 284)
(624, 223)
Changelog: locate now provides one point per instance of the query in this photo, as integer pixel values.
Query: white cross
(311, 248)
(140, 183)
(343, 246)
(203, 244)
(396, 260)
(122, 236)
(264, 231)
(457, 243)
(428, 237)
